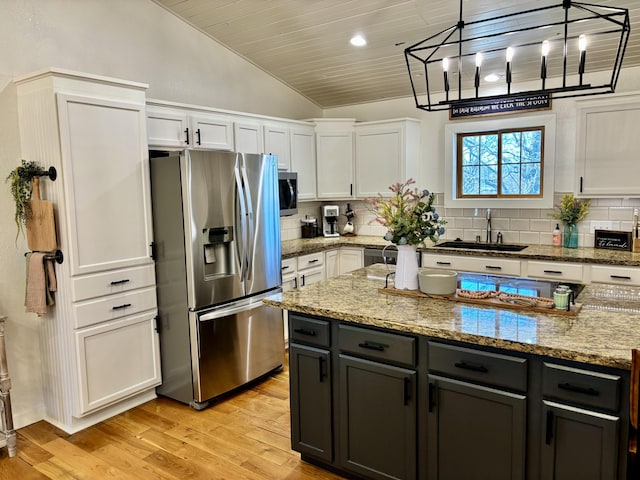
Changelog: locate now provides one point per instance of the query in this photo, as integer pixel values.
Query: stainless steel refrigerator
(216, 220)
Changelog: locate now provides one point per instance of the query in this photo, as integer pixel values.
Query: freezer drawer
(235, 345)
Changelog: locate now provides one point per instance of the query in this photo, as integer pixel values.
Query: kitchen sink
(498, 247)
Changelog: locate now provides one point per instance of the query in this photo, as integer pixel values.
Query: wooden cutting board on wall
(41, 227)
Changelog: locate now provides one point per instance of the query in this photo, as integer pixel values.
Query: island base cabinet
(311, 419)
(377, 419)
(578, 443)
(474, 432)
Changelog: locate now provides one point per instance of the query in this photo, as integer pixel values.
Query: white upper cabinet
(211, 132)
(248, 136)
(276, 142)
(334, 157)
(606, 156)
(167, 127)
(303, 160)
(386, 152)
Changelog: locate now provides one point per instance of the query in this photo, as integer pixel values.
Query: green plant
(20, 182)
(571, 210)
(409, 215)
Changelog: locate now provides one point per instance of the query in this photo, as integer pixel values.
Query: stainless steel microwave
(288, 188)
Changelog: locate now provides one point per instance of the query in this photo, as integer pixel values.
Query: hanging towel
(41, 282)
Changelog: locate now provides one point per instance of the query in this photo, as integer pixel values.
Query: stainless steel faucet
(488, 225)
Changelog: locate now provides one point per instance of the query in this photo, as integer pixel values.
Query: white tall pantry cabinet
(99, 342)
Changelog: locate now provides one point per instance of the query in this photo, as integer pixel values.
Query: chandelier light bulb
(582, 42)
(478, 59)
(445, 64)
(509, 54)
(545, 48)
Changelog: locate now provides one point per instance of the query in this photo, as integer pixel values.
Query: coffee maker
(330, 215)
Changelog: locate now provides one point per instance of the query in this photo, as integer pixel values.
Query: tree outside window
(501, 164)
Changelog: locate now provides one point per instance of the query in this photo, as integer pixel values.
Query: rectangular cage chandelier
(550, 42)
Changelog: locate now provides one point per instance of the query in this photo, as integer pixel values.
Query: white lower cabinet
(560, 271)
(351, 259)
(116, 359)
(310, 269)
(491, 265)
(617, 275)
(332, 263)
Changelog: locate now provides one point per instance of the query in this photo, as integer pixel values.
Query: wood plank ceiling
(305, 43)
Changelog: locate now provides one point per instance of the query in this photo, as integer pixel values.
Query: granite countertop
(292, 248)
(603, 333)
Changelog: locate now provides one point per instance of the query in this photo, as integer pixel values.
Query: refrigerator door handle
(250, 223)
(225, 312)
(242, 249)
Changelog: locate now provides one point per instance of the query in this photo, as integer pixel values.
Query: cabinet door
(351, 259)
(211, 133)
(248, 137)
(335, 165)
(377, 419)
(167, 128)
(116, 360)
(106, 181)
(303, 161)
(578, 443)
(332, 263)
(483, 425)
(311, 420)
(605, 155)
(310, 276)
(276, 142)
(379, 160)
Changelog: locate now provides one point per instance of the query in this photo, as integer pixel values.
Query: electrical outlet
(600, 225)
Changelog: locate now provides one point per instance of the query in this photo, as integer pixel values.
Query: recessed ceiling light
(358, 41)
(492, 77)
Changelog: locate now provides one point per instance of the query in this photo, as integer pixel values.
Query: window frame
(503, 122)
(459, 162)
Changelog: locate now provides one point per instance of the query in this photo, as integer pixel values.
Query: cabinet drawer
(115, 281)
(583, 387)
(310, 331)
(102, 309)
(288, 266)
(475, 365)
(555, 270)
(487, 264)
(311, 260)
(310, 276)
(619, 275)
(379, 345)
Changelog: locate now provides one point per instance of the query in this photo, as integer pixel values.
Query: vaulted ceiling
(305, 43)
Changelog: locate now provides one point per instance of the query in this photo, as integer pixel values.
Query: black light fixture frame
(428, 55)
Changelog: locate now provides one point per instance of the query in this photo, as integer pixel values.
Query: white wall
(130, 39)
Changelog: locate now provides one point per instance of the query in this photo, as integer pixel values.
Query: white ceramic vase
(406, 277)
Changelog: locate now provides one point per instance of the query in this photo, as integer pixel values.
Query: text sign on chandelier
(493, 106)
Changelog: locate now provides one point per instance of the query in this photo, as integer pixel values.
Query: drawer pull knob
(471, 366)
(443, 263)
(379, 347)
(120, 282)
(620, 277)
(304, 331)
(492, 267)
(120, 307)
(578, 389)
(554, 272)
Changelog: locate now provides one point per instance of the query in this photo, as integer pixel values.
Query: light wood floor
(246, 436)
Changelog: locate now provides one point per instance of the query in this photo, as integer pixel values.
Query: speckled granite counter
(292, 248)
(603, 333)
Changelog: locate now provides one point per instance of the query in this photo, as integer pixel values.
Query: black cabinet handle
(432, 396)
(302, 280)
(120, 307)
(186, 140)
(321, 369)
(548, 435)
(285, 267)
(407, 393)
(199, 142)
(379, 347)
(351, 189)
(443, 263)
(295, 283)
(314, 261)
(492, 267)
(580, 184)
(578, 389)
(304, 331)
(620, 277)
(555, 272)
(470, 366)
(120, 282)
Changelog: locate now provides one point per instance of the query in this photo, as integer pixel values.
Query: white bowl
(435, 281)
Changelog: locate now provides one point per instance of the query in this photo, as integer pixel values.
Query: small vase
(406, 277)
(570, 235)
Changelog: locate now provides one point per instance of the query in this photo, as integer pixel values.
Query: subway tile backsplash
(532, 226)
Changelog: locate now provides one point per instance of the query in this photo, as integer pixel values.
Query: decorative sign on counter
(613, 240)
(499, 105)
